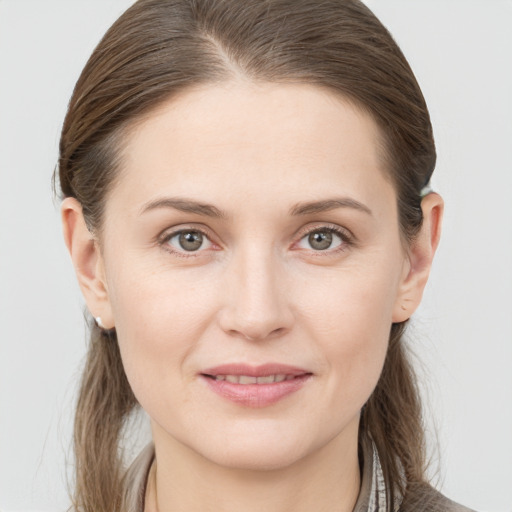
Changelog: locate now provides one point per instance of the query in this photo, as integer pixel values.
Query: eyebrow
(328, 205)
(208, 210)
(184, 205)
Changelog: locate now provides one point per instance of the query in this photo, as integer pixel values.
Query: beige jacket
(372, 497)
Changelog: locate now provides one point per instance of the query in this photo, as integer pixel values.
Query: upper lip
(262, 370)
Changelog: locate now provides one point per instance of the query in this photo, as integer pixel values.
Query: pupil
(191, 240)
(321, 240)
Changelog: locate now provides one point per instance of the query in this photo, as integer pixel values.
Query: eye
(323, 238)
(189, 240)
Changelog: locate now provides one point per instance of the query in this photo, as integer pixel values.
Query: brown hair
(160, 47)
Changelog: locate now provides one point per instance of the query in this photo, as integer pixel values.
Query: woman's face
(252, 236)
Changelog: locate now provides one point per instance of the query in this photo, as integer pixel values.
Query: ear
(87, 260)
(420, 256)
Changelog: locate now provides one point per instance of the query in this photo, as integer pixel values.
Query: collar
(373, 494)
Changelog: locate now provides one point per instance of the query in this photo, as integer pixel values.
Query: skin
(257, 290)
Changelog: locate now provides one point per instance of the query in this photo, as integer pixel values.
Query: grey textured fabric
(372, 496)
(135, 480)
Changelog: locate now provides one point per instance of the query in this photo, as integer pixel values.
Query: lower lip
(256, 395)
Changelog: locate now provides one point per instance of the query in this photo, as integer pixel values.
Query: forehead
(286, 140)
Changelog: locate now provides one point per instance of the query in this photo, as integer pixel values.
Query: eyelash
(347, 240)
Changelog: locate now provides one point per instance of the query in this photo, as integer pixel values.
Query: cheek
(351, 317)
(159, 318)
(350, 303)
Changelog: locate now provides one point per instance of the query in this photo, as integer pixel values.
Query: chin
(261, 447)
(263, 457)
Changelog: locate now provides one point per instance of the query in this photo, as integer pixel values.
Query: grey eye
(320, 240)
(188, 240)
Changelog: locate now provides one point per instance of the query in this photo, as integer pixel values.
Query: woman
(246, 204)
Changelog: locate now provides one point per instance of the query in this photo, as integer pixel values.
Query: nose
(256, 302)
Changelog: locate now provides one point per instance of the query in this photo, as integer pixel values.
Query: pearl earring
(99, 323)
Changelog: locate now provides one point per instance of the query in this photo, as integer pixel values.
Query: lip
(255, 395)
(262, 370)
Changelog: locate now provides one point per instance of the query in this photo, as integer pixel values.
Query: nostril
(255, 337)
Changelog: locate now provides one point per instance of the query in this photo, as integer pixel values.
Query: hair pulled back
(158, 48)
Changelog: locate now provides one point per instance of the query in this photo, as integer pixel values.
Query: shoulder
(424, 498)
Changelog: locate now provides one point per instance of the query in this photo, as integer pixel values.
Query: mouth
(255, 386)
(249, 379)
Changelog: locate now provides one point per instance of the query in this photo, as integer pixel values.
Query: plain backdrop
(461, 52)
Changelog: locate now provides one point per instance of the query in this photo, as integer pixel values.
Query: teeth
(244, 379)
(266, 380)
(247, 379)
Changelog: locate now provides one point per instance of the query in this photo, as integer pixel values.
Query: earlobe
(87, 261)
(421, 255)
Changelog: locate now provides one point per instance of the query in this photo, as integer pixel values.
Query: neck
(327, 480)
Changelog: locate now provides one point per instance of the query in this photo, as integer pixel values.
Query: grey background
(461, 51)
